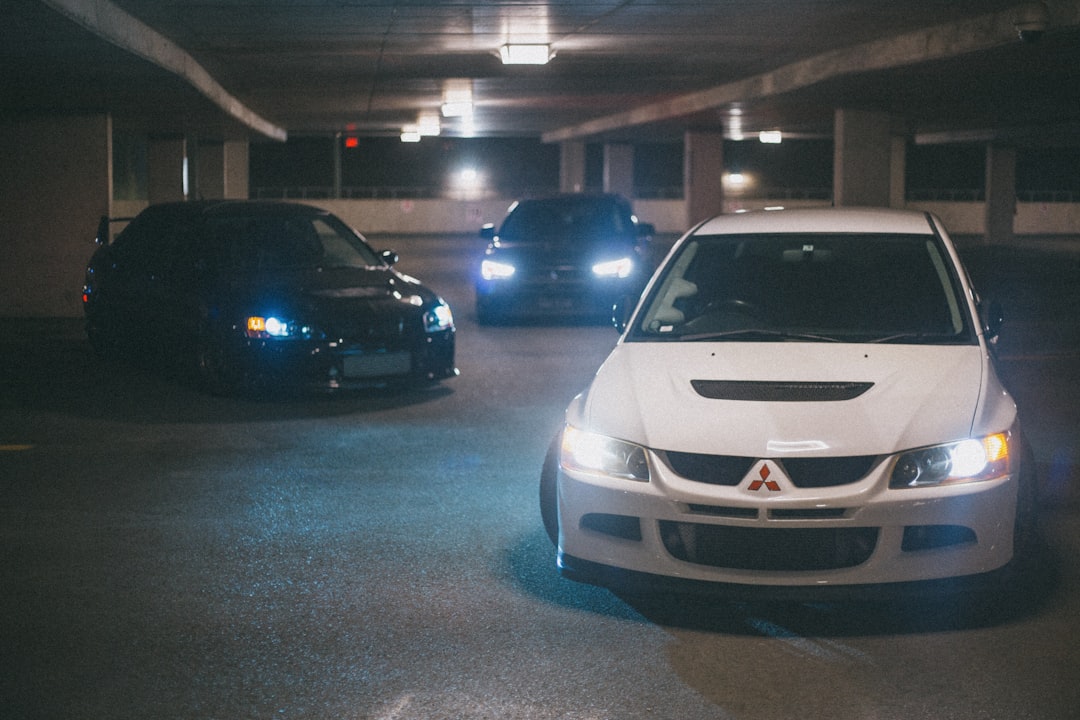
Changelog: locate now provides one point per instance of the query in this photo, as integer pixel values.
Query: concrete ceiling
(947, 70)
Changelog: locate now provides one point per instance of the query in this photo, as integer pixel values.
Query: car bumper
(537, 299)
(343, 365)
(863, 534)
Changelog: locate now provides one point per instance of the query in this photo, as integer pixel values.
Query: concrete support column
(56, 183)
(166, 160)
(1000, 193)
(572, 166)
(619, 169)
(898, 172)
(703, 172)
(222, 171)
(862, 151)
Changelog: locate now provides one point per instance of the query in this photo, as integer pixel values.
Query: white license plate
(377, 364)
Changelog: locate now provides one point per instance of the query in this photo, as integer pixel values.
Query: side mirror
(389, 257)
(487, 232)
(103, 231)
(992, 319)
(621, 312)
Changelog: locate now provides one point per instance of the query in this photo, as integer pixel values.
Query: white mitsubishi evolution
(801, 399)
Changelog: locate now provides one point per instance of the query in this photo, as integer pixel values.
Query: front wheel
(549, 501)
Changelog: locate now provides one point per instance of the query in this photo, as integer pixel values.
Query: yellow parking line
(14, 448)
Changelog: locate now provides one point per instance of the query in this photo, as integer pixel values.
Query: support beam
(619, 169)
(572, 166)
(109, 22)
(862, 153)
(1000, 193)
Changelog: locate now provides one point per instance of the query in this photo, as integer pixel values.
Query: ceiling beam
(934, 43)
(110, 23)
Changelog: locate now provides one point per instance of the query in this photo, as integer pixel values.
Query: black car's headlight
(438, 318)
(594, 453)
(965, 461)
(620, 268)
(495, 270)
(270, 327)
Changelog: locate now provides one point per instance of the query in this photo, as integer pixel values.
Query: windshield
(566, 218)
(807, 287)
(253, 243)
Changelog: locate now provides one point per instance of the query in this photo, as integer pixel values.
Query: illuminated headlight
(493, 270)
(438, 318)
(960, 462)
(593, 453)
(260, 327)
(620, 268)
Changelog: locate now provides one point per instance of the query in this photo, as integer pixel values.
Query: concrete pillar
(619, 169)
(898, 172)
(572, 166)
(862, 151)
(55, 185)
(703, 172)
(166, 160)
(222, 171)
(1000, 193)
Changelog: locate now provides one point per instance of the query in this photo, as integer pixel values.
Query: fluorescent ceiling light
(457, 109)
(410, 134)
(525, 54)
(773, 137)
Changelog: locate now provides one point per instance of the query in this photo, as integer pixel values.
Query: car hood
(917, 395)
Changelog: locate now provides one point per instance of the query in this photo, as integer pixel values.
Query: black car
(567, 255)
(264, 295)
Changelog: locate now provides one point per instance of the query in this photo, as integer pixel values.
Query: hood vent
(779, 391)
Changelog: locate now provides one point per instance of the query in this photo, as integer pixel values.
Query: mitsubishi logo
(763, 480)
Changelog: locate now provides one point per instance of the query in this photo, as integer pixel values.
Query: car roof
(196, 208)
(816, 220)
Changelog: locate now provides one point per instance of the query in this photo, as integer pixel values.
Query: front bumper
(345, 365)
(613, 531)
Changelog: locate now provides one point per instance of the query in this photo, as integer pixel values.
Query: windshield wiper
(909, 337)
(758, 333)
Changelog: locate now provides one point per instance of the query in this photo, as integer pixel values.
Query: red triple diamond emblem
(763, 475)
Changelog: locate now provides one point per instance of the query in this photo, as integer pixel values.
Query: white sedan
(801, 399)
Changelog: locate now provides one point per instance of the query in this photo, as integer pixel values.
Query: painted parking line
(15, 448)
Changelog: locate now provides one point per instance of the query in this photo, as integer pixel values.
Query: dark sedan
(568, 255)
(264, 295)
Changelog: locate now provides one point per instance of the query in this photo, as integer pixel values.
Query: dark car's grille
(366, 322)
(769, 549)
(729, 470)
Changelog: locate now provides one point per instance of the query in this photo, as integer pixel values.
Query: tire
(549, 500)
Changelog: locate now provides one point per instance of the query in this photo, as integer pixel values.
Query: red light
(351, 142)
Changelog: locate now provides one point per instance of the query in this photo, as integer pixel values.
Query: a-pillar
(572, 166)
(619, 169)
(703, 172)
(1000, 193)
(56, 184)
(222, 170)
(862, 158)
(166, 169)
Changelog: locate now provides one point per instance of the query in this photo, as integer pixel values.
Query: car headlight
(620, 268)
(270, 327)
(494, 270)
(965, 461)
(593, 453)
(438, 318)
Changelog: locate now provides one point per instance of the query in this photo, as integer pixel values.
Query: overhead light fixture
(525, 54)
(771, 137)
(410, 135)
(457, 108)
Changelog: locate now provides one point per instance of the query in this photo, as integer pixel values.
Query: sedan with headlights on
(571, 255)
(263, 295)
(803, 401)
